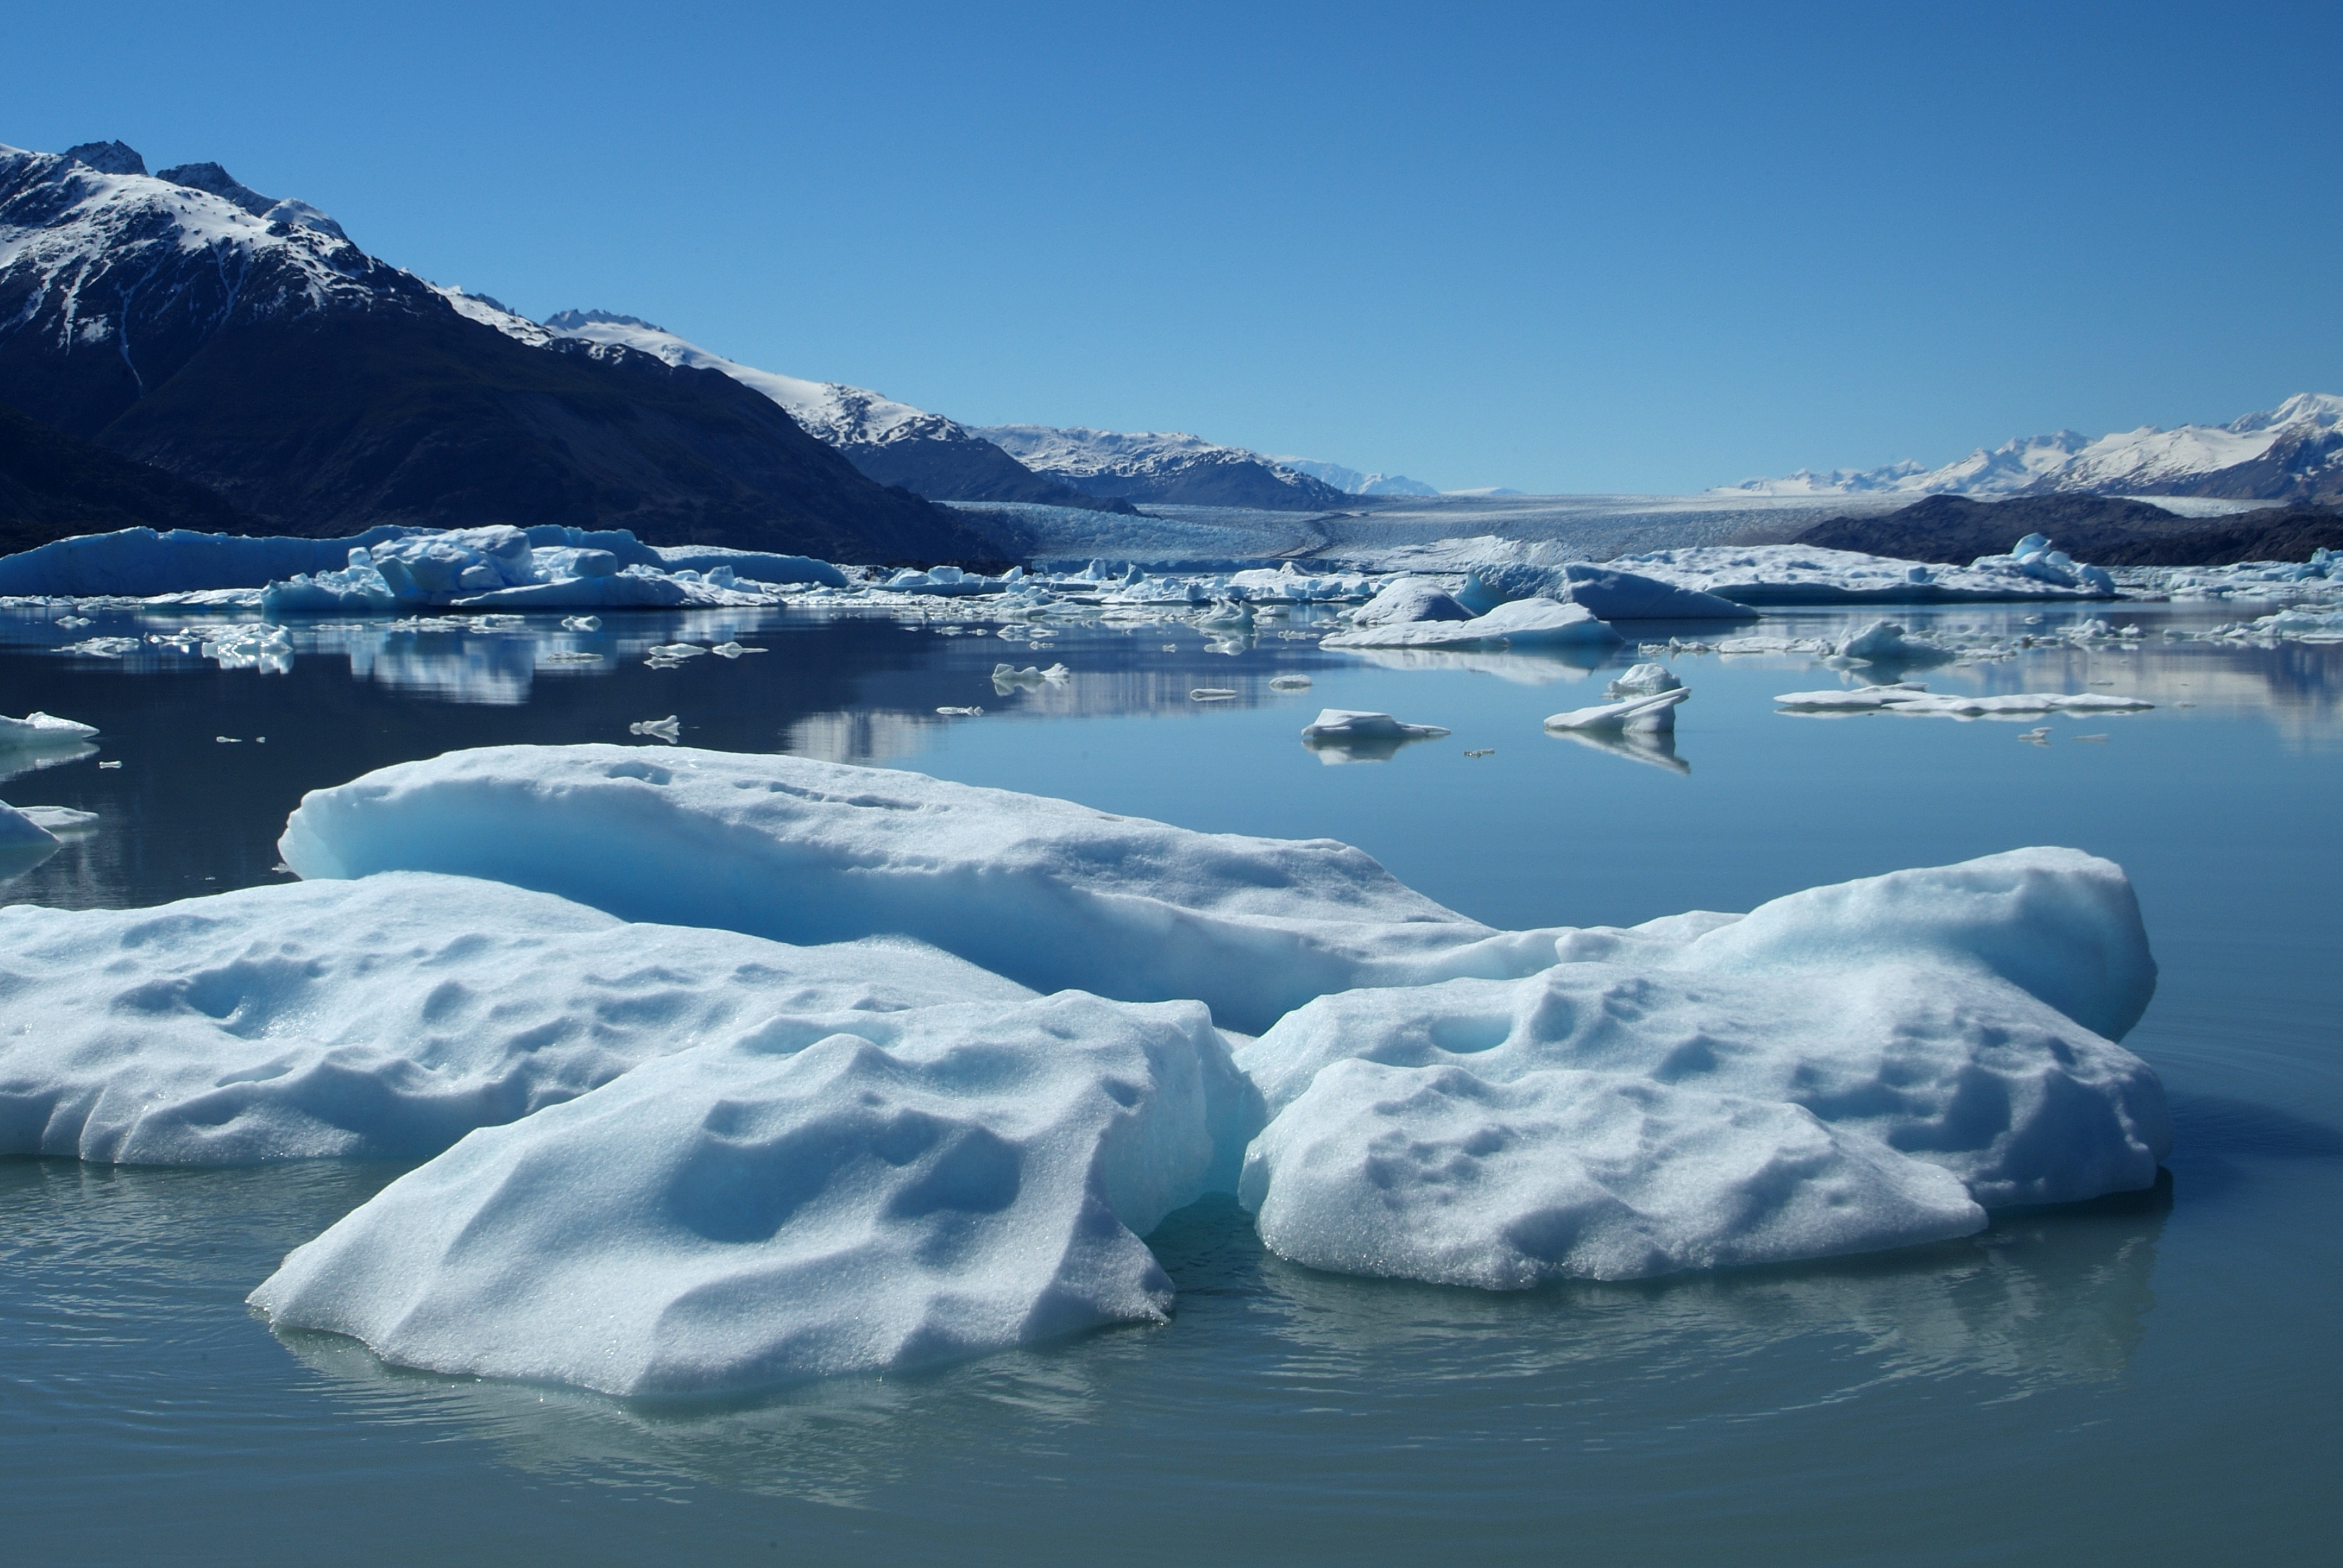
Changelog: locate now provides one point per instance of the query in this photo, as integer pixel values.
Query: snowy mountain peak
(840, 415)
(1170, 465)
(1353, 482)
(577, 320)
(108, 158)
(2294, 451)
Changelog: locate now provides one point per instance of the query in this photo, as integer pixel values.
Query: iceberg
(24, 842)
(1652, 711)
(386, 1018)
(1888, 642)
(1607, 593)
(1761, 575)
(920, 1187)
(43, 732)
(1907, 698)
(1409, 599)
(1521, 623)
(1347, 735)
(1051, 894)
(1846, 1069)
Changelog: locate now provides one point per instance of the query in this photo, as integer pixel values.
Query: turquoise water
(2151, 1376)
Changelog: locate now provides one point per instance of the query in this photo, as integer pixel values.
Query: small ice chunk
(1289, 683)
(1644, 680)
(961, 712)
(1351, 724)
(735, 649)
(1888, 642)
(1211, 694)
(113, 764)
(581, 623)
(668, 730)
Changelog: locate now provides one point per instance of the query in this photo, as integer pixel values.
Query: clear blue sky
(1564, 247)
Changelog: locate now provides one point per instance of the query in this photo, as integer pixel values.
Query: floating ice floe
(1652, 711)
(1049, 893)
(1910, 698)
(669, 730)
(387, 1017)
(1523, 623)
(1888, 642)
(700, 1159)
(1289, 683)
(1779, 575)
(912, 1188)
(1008, 677)
(24, 843)
(1843, 1070)
(43, 732)
(1606, 592)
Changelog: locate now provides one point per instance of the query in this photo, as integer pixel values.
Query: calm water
(2153, 1376)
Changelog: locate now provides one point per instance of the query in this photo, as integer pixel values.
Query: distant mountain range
(247, 346)
(1352, 482)
(2292, 453)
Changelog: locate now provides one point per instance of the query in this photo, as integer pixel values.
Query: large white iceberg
(925, 1186)
(385, 1018)
(1049, 893)
(1521, 623)
(1778, 575)
(1605, 592)
(1846, 1068)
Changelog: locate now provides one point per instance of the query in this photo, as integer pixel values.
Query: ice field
(1175, 1122)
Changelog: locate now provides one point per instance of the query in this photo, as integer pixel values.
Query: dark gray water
(2150, 1378)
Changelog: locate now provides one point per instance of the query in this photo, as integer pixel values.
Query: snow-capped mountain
(891, 442)
(2290, 453)
(1171, 468)
(247, 345)
(1350, 481)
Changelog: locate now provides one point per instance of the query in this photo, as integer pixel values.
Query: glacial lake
(2151, 1377)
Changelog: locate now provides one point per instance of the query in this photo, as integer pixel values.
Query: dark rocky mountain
(1172, 468)
(262, 355)
(2103, 530)
(53, 487)
(891, 442)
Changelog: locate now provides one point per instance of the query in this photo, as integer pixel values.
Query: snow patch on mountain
(840, 415)
(78, 237)
(1353, 482)
(2146, 461)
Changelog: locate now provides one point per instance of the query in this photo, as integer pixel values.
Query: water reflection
(2042, 1300)
(1657, 746)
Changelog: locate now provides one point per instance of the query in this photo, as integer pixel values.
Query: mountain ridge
(2291, 453)
(162, 320)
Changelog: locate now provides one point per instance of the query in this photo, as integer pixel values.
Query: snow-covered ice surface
(1763, 576)
(1049, 893)
(1520, 624)
(385, 1018)
(1843, 1070)
(917, 1187)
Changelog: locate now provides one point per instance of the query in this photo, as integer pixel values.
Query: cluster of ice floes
(762, 1085)
(1774, 575)
(1913, 699)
